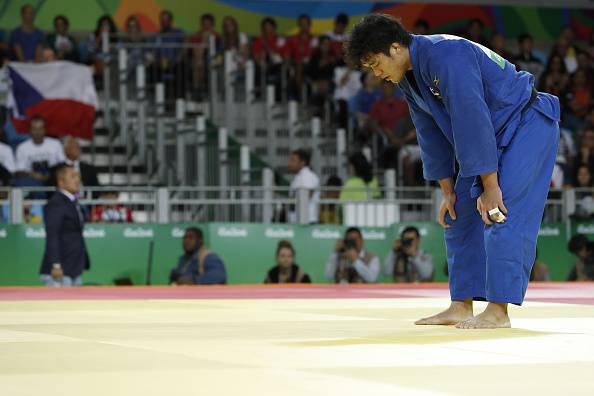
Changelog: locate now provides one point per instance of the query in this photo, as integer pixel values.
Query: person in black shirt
(286, 271)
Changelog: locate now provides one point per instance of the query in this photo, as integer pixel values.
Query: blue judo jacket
(469, 107)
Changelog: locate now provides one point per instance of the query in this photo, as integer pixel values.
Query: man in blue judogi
(472, 107)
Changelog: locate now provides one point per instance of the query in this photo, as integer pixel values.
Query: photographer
(583, 249)
(406, 262)
(350, 262)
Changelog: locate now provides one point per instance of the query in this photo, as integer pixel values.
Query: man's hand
(397, 245)
(57, 272)
(352, 254)
(339, 246)
(490, 199)
(447, 206)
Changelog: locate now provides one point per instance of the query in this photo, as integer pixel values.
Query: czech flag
(62, 92)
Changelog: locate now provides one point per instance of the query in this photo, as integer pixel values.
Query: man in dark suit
(65, 255)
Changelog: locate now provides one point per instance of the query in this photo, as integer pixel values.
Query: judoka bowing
(472, 107)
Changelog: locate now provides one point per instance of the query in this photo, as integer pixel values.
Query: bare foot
(457, 312)
(494, 317)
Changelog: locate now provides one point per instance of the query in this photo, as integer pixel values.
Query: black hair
(334, 181)
(409, 229)
(304, 16)
(36, 118)
(60, 169)
(25, 6)
(342, 18)
(63, 18)
(168, 13)
(267, 20)
(207, 17)
(362, 167)
(197, 232)
(354, 229)
(374, 34)
(524, 36)
(423, 23)
(303, 155)
(112, 26)
(577, 243)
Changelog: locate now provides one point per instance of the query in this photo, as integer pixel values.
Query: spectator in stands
(347, 83)
(540, 271)
(330, 213)
(48, 55)
(197, 266)
(7, 164)
(406, 262)
(339, 35)
(421, 27)
(268, 53)
(578, 99)
(582, 248)
(72, 153)
(586, 154)
(384, 117)
(110, 212)
(526, 60)
(305, 179)
(168, 63)
(350, 262)
(320, 71)
(66, 255)
(298, 49)
(565, 47)
(360, 105)
(26, 41)
(61, 41)
(133, 35)
(198, 55)
(555, 79)
(235, 41)
(475, 31)
(498, 45)
(361, 185)
(584, 208)
(92, 51)
(36, 156)
(286, 271)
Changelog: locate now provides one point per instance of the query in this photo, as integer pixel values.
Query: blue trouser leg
(465, 246)
(525, 169)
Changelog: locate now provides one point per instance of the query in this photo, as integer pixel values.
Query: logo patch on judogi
(435, 93)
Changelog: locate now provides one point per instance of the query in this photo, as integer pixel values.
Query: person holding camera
(406, 262)
(350, 262)
(583, 249)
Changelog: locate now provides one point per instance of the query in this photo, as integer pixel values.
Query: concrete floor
(329, 346)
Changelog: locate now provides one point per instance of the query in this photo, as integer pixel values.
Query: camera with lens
(407, 242)
(349, 243)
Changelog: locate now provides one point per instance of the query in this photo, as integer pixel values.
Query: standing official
(66, 255)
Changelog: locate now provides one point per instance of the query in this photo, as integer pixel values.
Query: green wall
(121, 250)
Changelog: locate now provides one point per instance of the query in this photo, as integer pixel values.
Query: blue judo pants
(494, 262)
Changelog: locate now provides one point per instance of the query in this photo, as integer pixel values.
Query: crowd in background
(373, 110)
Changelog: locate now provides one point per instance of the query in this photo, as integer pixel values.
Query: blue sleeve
(456, 65)
(214, 272)
(437, 153)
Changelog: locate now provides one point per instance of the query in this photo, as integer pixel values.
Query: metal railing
(266, 204)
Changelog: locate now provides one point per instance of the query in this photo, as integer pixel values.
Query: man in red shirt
(387, 117)
(298, 50)
(268, 53)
